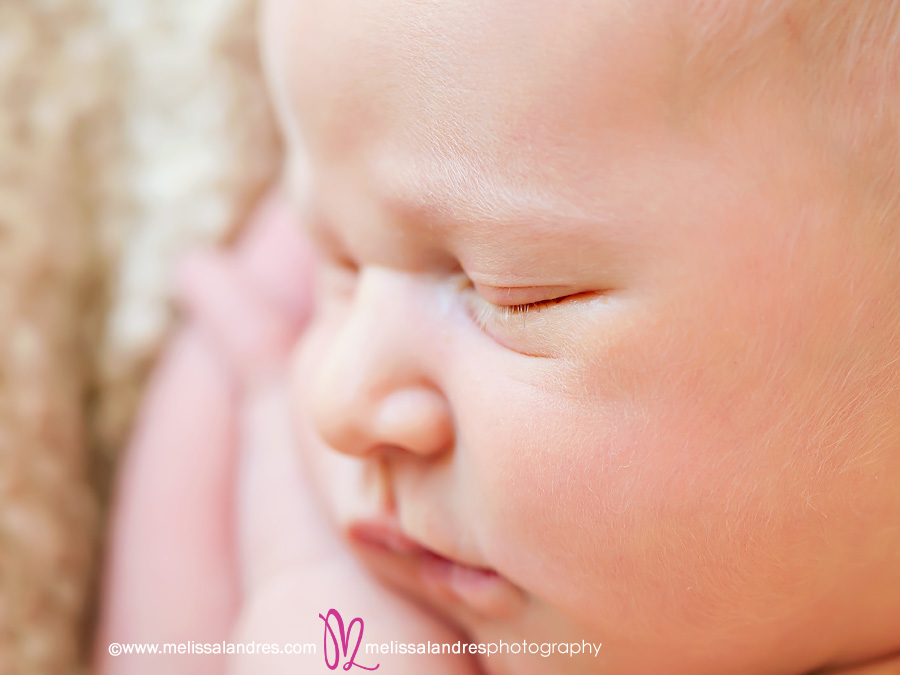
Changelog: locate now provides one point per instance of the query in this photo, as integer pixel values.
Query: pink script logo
(341, 647)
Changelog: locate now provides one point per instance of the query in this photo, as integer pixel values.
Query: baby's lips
(251, 331)
(479, 588)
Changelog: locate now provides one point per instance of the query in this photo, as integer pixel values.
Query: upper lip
(385, 534)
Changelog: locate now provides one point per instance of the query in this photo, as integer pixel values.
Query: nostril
(416, 419)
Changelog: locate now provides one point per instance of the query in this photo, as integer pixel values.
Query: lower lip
(482, 589)
(441, 571)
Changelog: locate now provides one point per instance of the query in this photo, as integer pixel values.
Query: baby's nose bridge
(391, 312)
(386, 338)
(376, 385)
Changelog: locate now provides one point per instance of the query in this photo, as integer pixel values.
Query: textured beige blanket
(128, 132)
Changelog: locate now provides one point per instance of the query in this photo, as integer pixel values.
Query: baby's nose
(373, 391)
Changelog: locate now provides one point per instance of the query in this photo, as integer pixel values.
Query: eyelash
(483, 312)
(510, 310)
(486, 313)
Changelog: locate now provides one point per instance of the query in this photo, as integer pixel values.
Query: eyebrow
(447, 200)
(450, 196)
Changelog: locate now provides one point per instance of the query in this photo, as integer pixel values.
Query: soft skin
(692, 457)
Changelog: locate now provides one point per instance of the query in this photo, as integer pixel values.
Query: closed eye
(533, 306)
(491, 308)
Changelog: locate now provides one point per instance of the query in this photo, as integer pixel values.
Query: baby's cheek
(664, 510)
(551, 509)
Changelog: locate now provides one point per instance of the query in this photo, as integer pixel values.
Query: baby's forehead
(464, 69)
(479, 112)
(545, 94)
(508, 76)
(444, 59)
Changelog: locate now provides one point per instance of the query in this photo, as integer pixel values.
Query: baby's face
(596, 319)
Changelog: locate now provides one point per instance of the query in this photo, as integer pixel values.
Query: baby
(606, 335)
